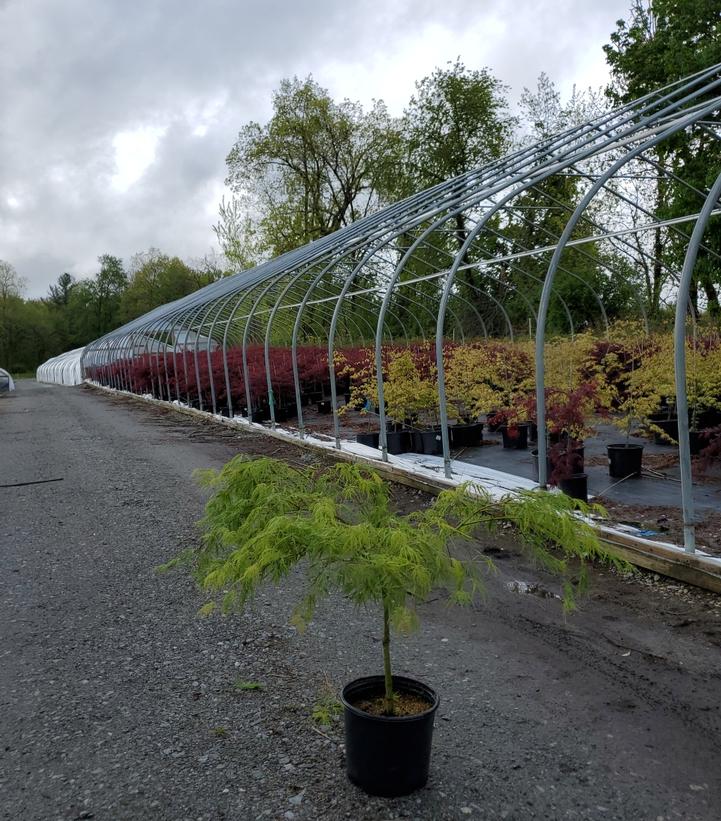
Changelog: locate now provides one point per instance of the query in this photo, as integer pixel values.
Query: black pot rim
(399, 681)
(624, 446)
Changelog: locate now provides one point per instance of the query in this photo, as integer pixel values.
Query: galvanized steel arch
(364, 281)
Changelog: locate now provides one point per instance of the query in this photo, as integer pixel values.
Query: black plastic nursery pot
(697, 441)
(398, 441)
(371, 439)
(324, 406)
(388, 755)
(432, 442)
(553, 458)
(669, 427)
(468, 435)
(515, 437)
(416, 441)
(575, 486)
(285, 412)
(624, 460)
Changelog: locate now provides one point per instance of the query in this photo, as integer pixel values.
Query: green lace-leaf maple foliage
(266, 516)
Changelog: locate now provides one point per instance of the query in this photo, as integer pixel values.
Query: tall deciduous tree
(663, 41)
(316, 166)
(157, 278)
(457, 120)
(11, 288)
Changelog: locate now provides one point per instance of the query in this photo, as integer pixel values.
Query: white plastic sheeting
(62, 370)
(6, 381)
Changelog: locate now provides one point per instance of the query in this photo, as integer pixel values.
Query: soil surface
(403, 705)
(118, 702)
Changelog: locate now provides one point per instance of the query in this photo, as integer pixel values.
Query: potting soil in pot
(405, 704)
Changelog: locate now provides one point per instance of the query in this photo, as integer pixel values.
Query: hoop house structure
(62, 370)
(502, 252)
(6, 382)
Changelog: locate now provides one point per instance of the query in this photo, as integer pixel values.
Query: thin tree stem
(389, 698)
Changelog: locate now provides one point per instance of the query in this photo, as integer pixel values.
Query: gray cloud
(78, 74)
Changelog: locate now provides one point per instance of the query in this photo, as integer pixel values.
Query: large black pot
(432, 442)
(468, 435)
(669, 427)
(398, 441)
(285, 412)
(575, 486)
(515, 437)
(697, 441)
(388, 755)
(624, 460)
(371, 439)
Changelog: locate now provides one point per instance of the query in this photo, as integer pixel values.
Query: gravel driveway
(117, 702)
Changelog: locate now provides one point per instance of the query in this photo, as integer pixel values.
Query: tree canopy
(316, 166)
(663, 41)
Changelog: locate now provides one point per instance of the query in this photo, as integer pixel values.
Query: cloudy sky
(116, 115)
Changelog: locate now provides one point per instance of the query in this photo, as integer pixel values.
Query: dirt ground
(117, 702)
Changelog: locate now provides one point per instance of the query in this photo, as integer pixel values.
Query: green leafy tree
(265, 517)
(237, 234)
(456, 121)
(316, 166)
(107, 289)
(11, 289)
(94, 303)
(157, 278)
(663, 41)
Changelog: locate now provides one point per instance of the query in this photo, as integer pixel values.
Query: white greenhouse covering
(6, 381)
(62, 370)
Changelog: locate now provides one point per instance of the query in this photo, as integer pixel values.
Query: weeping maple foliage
(266, 516)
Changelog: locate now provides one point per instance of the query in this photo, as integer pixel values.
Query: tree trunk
(389, 697)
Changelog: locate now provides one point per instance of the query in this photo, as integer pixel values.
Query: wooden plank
(706, 579)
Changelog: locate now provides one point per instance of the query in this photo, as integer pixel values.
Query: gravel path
(117, 702)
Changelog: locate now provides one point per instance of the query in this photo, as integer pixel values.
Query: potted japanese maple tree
(265, 517)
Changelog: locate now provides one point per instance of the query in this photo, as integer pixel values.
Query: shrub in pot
(472, 381)
(409, 393)
(265, 517)
(568, 411)
(515, 436)
(625, 458)
(512, 424)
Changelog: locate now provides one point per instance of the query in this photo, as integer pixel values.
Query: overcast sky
(116, 115)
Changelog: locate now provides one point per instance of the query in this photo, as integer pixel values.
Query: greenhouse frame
(442, 267)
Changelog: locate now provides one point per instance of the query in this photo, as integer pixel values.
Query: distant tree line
(76, 311)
